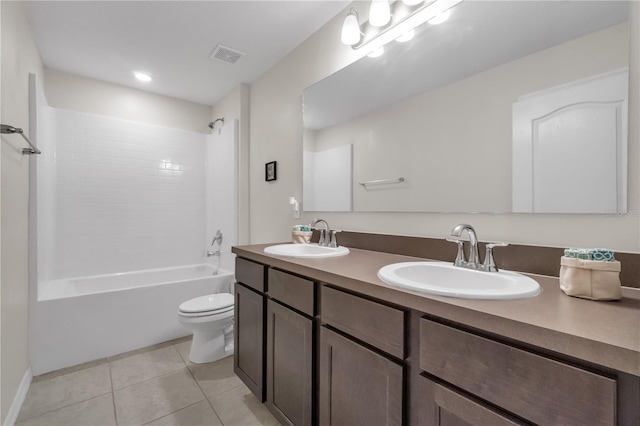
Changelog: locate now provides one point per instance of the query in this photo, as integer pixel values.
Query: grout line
(203, 392)
(173, 412)
(60, 408)
(113, 395)
(153, 378)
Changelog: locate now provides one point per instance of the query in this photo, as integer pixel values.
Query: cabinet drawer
(251, 274)
(291, 290)
(533, 387)
(374, 323)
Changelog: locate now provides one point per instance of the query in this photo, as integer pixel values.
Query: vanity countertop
(604, 333)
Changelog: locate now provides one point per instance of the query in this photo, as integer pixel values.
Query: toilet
(210, 318)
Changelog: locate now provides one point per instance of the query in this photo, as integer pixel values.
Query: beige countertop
(604, 333)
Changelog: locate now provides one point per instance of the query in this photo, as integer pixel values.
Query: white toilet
(211, 320)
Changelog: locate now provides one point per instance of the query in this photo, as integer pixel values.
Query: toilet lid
(211, 302)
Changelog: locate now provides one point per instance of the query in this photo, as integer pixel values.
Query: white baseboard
(12, 415)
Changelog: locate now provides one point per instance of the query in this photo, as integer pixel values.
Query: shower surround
(115, 197)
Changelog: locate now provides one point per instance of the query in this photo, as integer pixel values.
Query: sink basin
(311, 251)
(444, 279)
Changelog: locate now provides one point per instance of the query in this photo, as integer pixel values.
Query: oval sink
(305, 250)
(444, 279)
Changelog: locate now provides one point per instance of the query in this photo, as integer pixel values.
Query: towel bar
(4, 128)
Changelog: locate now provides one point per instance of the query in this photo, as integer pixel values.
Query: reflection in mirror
(570, 147)
(437, 111)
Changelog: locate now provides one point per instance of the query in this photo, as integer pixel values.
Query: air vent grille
(226, 54)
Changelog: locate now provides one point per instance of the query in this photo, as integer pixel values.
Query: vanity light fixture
(403, 18)
(351, 28)
(380, 13)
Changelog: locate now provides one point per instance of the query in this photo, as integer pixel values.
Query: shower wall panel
(129, 196)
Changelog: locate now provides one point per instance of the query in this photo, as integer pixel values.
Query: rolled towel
(603, 254)
(578, 253)
(600, 254)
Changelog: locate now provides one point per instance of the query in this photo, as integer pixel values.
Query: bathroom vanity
(325, 341)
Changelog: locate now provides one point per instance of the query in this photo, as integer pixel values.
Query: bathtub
(82, 319)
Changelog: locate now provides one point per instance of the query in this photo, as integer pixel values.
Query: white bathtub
(83, 319)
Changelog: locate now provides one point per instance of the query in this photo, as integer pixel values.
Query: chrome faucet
(324, 239)
(216, 239)
(473, 261)
(327, 236)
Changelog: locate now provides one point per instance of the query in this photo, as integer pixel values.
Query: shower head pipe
(213, 123)
(6, 129)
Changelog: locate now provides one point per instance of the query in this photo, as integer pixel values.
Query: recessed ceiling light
(142, 76)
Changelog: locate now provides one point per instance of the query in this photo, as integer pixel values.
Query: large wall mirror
(506, 107)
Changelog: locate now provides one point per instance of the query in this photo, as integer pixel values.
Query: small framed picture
(270, 171)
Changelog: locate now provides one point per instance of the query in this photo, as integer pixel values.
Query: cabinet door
(442, 406)
(289, 365)
(357, 386)
(248, 355)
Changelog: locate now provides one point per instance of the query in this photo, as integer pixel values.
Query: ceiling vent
(226, 54)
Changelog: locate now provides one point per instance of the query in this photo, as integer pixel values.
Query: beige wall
(235, 105)
(276, 134)
(19, 58)
(77, 93)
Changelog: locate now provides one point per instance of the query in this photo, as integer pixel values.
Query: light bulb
(380, 13)
(376, 53)
(440, 18)
(406, 36)
(412, 2)
(350, 29)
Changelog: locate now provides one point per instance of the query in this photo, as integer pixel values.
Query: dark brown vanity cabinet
(361, 361)
(290, 346)
(248, 357)
(526, 385)
(326, 355)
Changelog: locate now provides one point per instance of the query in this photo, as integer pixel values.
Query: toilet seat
(211, 304)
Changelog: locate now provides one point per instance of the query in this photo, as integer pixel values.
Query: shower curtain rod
(4, 128)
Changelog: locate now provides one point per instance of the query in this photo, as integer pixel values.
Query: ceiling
(172, 40)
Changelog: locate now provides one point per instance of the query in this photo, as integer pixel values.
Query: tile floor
(153, 386)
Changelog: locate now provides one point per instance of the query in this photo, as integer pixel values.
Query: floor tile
(144, 366)
(155, 398)
(200, 414)
(61, 391)
(183, 349)
(239, 407)
(95, 412)
(216, 377)
(67, 370)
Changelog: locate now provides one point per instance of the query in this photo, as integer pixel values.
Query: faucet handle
(333, 238)
(460, 259)
(489, 264)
